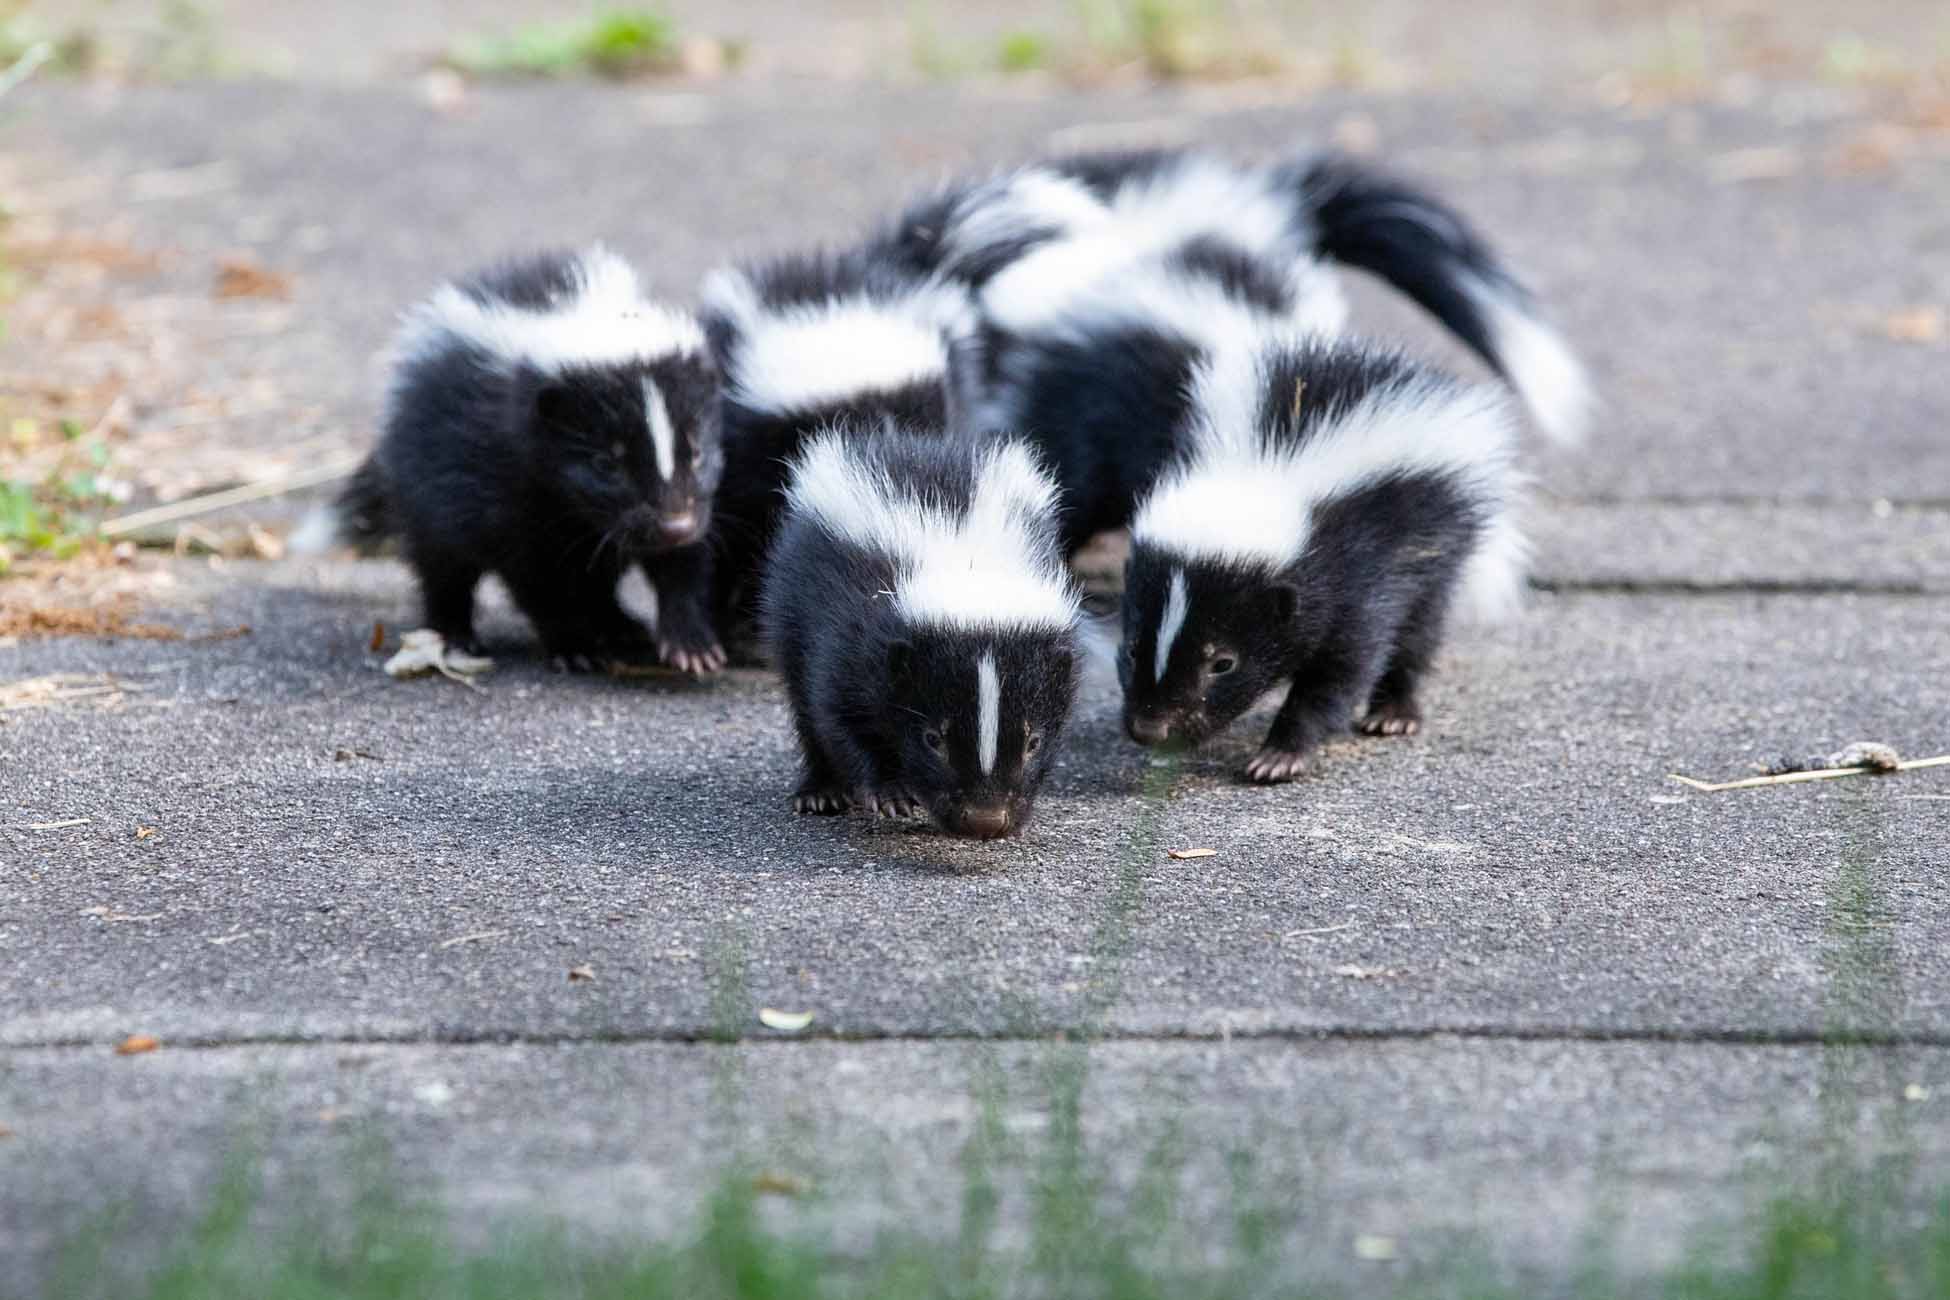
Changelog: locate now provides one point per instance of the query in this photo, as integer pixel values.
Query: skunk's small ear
(1285, 599)
(900, 663)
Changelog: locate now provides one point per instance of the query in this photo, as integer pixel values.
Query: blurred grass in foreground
(1077, 1241)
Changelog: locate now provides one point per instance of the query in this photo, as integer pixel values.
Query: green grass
(1023, 51)
(54, 515)
(615, 43)
(1083, 1243)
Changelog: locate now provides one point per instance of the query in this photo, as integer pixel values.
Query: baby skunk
(921, 612)
(1065, 224)
(1336, 504)
(546, 423)
(803, 342)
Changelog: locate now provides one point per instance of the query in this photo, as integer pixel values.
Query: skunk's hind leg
(1394, 708)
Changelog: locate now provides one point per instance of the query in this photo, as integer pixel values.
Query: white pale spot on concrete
(988, 691)
(1171, 624)
(663, 438)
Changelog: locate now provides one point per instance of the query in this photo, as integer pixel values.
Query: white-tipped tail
(1496, 577)
(1540, 366)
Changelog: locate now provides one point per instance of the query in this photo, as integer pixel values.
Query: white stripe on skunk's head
(803, 356)
(1177, 602)
(988, 693)
(1240, 501)
(604, 321)
(1539, 363)
(994, 564)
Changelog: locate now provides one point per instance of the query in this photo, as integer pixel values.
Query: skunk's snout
(1147, 730)
(678, 527)
(983, 823)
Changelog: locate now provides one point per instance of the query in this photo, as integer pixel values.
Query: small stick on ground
(329, 472)
(1817, 774)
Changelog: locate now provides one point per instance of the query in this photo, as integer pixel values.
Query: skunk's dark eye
(1033, 743)
(932, 739)
(697, 455)
(1220, 665)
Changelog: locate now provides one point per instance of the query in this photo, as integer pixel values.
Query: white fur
(1201, 195)
(990, 566)
(808, 355)
(1019, 204)
(1237, 502)
(1540, 365)
(1171, 624)
(1097, 286)
(603, 320)
(988, 695)
(663, 438)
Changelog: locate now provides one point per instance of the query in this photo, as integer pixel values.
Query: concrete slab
(1519, 1153)
(1526, 867)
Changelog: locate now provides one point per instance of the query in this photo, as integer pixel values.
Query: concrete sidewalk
(1483, 981)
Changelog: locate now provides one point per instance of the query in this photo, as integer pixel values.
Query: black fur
(1349, 629)
(1105, 410)
(487, 465)
(363, 510)
(887, 713)
(1413, 240)
(759, 444)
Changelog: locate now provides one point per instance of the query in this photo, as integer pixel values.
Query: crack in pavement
(1086, 1035)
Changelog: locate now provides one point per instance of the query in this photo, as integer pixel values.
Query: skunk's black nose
(1147, 731)
(678, 528)
(983, 823)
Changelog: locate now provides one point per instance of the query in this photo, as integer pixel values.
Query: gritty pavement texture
(1489, 981)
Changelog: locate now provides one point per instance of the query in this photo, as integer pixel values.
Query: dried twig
(329, 472)
(479, 936)
(1814, 774)
(1322, 929)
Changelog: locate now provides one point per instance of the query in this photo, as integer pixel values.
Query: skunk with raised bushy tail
(919, 608)
(1334, 506)
(1074, 219)
(548, 423)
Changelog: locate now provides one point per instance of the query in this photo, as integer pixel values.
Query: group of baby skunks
(881, 458)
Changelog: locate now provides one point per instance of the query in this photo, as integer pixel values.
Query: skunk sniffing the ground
(919, 608)
(803, 342)
(1338, 504)
(546, 423)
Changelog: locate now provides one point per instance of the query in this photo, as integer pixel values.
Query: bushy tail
(360, 516)
(1424, 248)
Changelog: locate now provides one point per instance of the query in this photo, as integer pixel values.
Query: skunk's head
(975, 716)
(1202, 641)
(632, 451)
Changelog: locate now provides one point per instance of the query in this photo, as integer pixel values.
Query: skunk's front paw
(1392, 717)
(1271, 766)
(686, 641)
(820, 799)
(892, 801)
